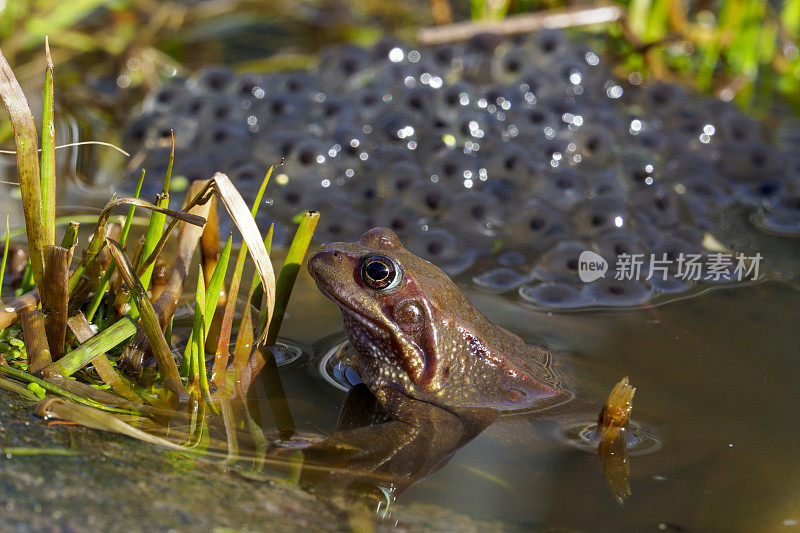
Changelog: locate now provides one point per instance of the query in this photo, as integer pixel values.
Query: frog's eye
(381, 272)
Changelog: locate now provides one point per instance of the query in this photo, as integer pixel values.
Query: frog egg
(333, 112)
(429, 198)
(276, 146)
(560, 262)
(454, 168)
(222, 108)
(513, 164)
(704, 195)
(748, 161)
(510, 64)
(397, 128)
(497, 96)
(193, 105)
(198, 167)
(293, 198)
(444, 57)
(397, 217)
(499, 279)
(168, 99)
(300, 84)
(349, 142)
(341, 224)
(532, 122)
(417, 102)
(549, 45)
(554, 295)
(307, 157)
(442, 248)
(599, 215)
(759, 190)
(638, 169)
(398, 177)
(499, 189)
(229, 139)
(251, 87)
(603, 184)
(136, 131)
(613, 244)
(596, 145)
(475, 214)
(512, 258)
(562, 187)
(452, 99)
(477, 57)
(617, 293)
(733, 125)
(155, 167)
(339, 65)
(663, 98)
(689, 121)
(278, 109)
(211, 80)
(184, 129)
(673, 250)
(362, 190)
(536, 225)
(552, 152)
(379, 52)
(248, 175)
(781, 215)
(657, 206)
(787, 136)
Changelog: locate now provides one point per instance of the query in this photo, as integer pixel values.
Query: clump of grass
(78, 327)
(742, 50)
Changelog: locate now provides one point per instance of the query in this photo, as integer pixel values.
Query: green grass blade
(156, 228)
(790, 17)
(47, 167)
(99, 344)
(154, 232)
(199, 335)
(123, 239)
(26, 139)
(288, 275)
(5, 260)
(150, 324)
(216, 281)
(70, 235)
(49, 387)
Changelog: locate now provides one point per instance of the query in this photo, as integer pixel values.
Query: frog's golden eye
(381, 272)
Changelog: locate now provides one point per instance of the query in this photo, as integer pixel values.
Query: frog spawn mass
(515, 156)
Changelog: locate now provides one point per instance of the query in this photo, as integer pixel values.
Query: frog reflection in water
(440, 370)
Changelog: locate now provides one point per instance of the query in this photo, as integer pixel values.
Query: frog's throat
(396, 348)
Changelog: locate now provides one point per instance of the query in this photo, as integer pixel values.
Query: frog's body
(415, 332)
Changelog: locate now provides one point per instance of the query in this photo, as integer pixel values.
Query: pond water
(716, 386)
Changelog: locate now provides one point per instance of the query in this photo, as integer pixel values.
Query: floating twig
(517, 24)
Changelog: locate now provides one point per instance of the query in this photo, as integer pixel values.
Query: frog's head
(413, 329)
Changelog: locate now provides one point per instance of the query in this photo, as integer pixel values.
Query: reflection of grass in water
(97, 299)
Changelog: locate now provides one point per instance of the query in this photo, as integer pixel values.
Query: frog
(435, 371)
(416, 334)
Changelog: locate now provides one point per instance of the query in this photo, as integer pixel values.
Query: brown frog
(415, 332)
(436, 371)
